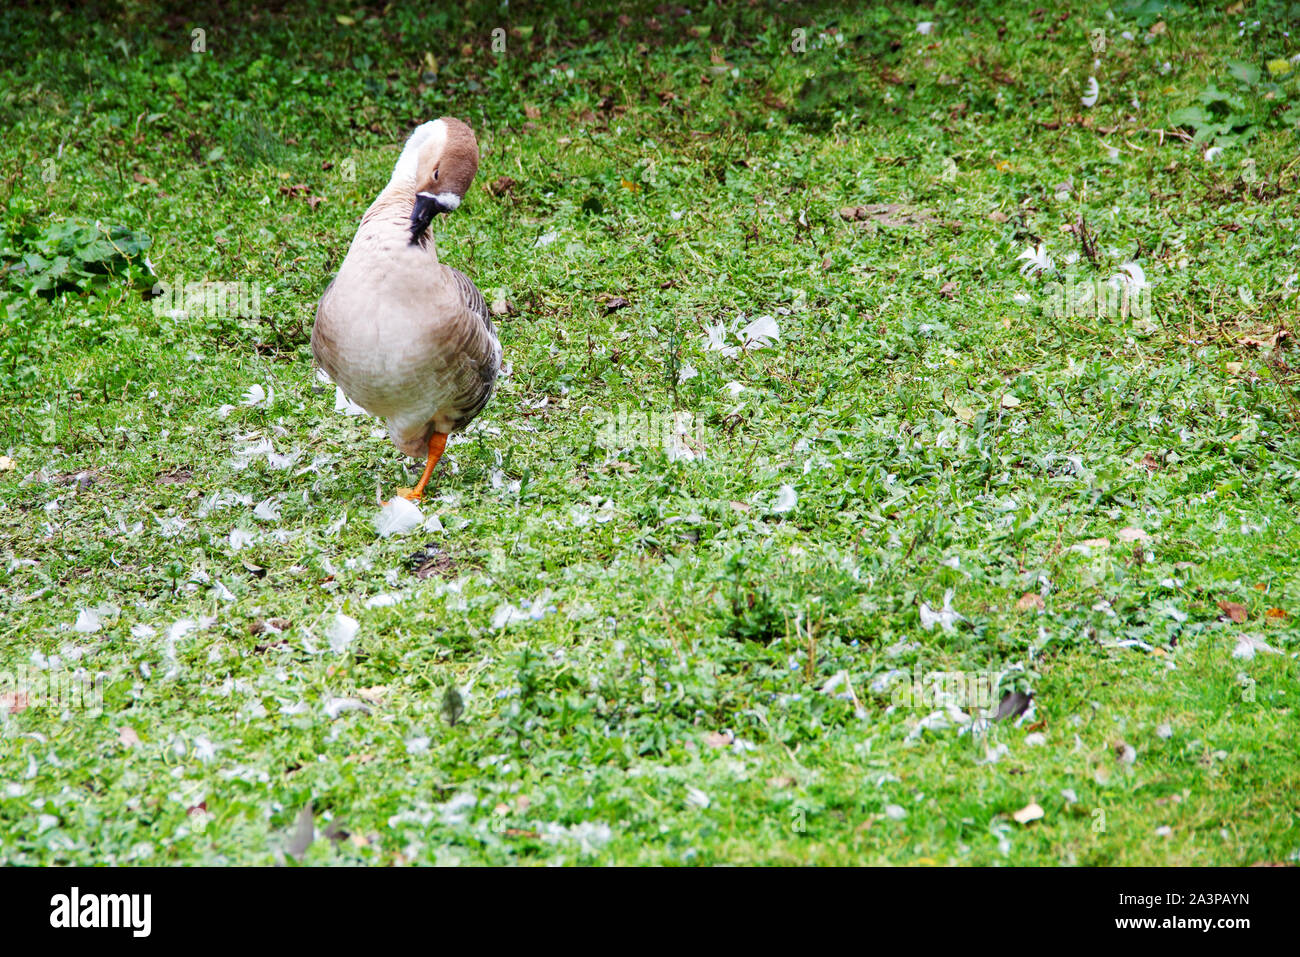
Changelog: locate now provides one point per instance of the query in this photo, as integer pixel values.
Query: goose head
(445, 156)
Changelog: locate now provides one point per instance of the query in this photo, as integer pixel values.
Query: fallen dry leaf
(1266, 340)
(272, 625)
(1275, 613)
(1088, 544)
(7, 464)
(1234, 611)
(1030, 600)
(998, 216)
(127, 737)
(14, 702)
(1132, 534)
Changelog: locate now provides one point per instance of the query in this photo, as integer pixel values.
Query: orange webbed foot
(437, 444)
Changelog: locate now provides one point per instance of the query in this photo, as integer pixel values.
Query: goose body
(406, 337)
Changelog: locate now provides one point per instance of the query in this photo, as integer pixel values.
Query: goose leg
(437, 442)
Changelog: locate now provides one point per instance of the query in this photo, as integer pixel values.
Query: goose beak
(428, 205)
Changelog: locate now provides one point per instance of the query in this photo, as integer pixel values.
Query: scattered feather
(334, 707)
(88, 622)
(304, 834)
(1132, 276)
(1030, 812)
(344, 405)
(589, 836)
(950, 717)
(1089, 98)
(267, 510)
(256, 395)
(946, 618)
(786, 499)
(1037, 261)
(760, 333)
(399, 517)
(341, 632)
(715, 340)
(1247, 645)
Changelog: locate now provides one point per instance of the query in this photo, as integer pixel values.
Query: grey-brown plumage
(407, 338)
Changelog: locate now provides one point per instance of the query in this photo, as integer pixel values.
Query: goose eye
(435, 176)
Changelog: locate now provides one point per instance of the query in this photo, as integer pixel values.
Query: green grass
(647, 649)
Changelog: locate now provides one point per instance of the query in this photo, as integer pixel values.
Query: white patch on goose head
(434, 133)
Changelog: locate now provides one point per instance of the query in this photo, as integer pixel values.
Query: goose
(406, 337)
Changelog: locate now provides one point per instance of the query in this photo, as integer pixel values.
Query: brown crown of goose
(453, 168)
